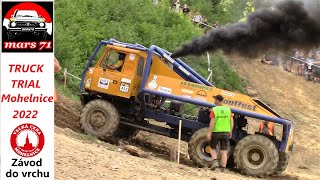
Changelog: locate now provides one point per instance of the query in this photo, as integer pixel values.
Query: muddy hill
(78, 156)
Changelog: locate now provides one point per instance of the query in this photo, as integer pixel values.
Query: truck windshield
(105, 57)
(26, 13)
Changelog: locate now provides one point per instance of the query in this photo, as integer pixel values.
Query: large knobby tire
(199, 149)
(282, 164)
(99, 118)
(196, 148)
(256, 155)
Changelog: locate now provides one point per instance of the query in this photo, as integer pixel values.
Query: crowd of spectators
(304, 63)
(196, 16)
(308, 64)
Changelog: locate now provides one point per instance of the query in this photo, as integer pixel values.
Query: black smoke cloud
(286, 26)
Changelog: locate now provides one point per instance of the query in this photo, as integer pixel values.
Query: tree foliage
(81, 24)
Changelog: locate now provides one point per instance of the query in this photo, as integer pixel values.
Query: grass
(223, 76)
(66, 91)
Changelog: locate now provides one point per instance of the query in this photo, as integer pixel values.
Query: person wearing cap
(220, 130)
(119, 64)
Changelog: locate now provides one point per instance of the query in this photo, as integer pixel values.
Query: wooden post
(179, 140)
(65, 78)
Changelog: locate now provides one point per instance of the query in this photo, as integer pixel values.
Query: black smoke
(286, 26)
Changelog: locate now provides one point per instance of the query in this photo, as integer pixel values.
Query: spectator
(310, 55)
(216, 24)
(185, 9)
(301, 62)
(173, 4)
(197, 18)
(316, 68)
(265, 60)
(177, 6)
(155, 2)
(289, 63)
(205, 25)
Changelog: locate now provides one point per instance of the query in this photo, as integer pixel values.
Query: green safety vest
(222, 115)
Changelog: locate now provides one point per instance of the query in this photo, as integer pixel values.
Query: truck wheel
(256, 155)
(199, 148)
(99, 118)
(282, 164)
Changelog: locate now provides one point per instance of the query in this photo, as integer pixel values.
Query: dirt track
(81, 157)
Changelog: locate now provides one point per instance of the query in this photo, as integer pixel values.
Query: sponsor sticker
(187, 91)
(88, 83)
(153, 84)
(240, 104)
(164, 90)
(104, 83)
(132, 56)
(186, 96)
(228, 93)
(124, 87)
(194, 85)
(126, 80)
(200, 98)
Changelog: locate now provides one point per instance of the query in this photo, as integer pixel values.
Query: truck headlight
(41, 24)
(13, 24)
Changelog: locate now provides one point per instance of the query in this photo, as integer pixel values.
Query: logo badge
(164, 90)
(27, 140)
(104, 83)
(201, 93)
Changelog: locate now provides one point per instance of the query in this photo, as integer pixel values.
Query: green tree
(81, 24)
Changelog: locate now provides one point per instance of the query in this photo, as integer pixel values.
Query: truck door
(108, 72)
(114, 74)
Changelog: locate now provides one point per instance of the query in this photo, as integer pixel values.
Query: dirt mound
(67, 113)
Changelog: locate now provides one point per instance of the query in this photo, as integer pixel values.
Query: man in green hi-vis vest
(220, 130)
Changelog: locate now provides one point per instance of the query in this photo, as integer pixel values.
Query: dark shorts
(222, 137)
